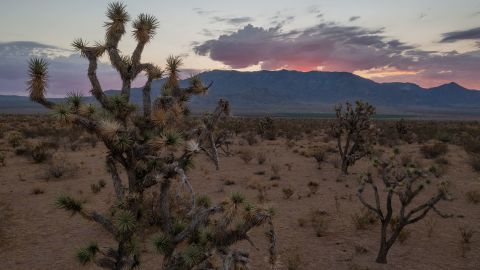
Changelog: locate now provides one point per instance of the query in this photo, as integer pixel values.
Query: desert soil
(34, 234)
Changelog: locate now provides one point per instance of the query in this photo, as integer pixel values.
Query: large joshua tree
(405, 182)
(154, 150)
(353, 130)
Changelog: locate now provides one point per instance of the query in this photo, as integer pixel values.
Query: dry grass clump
(3, 161)
(432, 151)
(473, 196)
(293, 259)
(319, 222)
(97, 187)
(364, 219)
(275, 172)
(246, 156)
(287, 192)
(59, 167)
(261, 158)
(14, 138)
(466, 235)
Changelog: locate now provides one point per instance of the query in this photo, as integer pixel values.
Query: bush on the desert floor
(246, 155)
(435, 150)
(473, 196)
(3, 159)
(475, 162)
(363, 219)
(14, 138)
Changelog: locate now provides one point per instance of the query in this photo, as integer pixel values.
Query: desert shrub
(14, 138)
(403, 236)
(275, 172)
(473, 196)
(294, 260)
(313, 187)
(434, 150)
(475, 162)
(437, 170)
(39, 153)
(441, 161)
(229, 182)
(466, 235)
(97, 187)
(3, 161)
(250, 138)
(246, 156)
(287, 192)
(302, 222)
(57, 169)
(319, 222)
(261, 158)
(37, 191)
(363, 219)
(444, 136)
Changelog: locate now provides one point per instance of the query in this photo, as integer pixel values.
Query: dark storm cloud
(335, 47)
(473, 33)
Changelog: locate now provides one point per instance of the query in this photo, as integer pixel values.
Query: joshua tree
(353, 131)
(266, 128)
(406, 182)
(154, 149)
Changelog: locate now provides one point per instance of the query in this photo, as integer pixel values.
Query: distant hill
(307, 92)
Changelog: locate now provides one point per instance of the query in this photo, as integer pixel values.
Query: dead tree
(353, 130)
(154, 148)
(406, 183)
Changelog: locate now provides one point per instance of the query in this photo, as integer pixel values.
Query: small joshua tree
(353, 131)
(406, 182)
(266, 128)
(154, 148)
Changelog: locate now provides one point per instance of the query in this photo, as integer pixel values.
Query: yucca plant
(153, 148)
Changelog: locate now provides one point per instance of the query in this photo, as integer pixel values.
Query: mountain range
(294, 92)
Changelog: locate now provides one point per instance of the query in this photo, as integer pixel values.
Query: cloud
(203, 12)
(354, 18)
(334, 47)
(232, 21)
(281, 19)
(473, 33)
(325, 45)
(67, 70)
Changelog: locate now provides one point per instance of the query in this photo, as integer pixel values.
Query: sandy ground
(34, 234)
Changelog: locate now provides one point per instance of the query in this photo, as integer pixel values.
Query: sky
(427, 42)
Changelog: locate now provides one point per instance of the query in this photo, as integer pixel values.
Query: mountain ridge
(285, 91)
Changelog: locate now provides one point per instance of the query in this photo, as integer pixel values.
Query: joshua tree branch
(117, 182)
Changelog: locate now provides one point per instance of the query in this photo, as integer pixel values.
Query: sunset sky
(424, 42)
